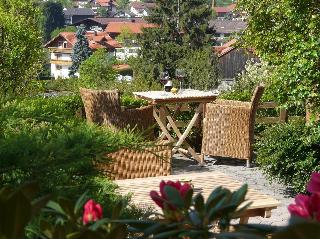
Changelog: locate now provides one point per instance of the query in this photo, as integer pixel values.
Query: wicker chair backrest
(258, 92)
(101, 106)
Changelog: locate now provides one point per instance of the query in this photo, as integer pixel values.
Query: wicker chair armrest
(233, 103)
(228, 113)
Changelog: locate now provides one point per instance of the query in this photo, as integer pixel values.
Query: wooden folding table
(204, 182)
(164, 102)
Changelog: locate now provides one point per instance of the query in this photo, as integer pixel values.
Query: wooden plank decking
(204, 183)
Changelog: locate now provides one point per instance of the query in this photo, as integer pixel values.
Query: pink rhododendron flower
(315, 205)
(308, 206)
(92, 212)
(302, 206)
(314, 183)
(162, 198)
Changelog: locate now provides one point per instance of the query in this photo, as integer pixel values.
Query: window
(133, 50)
(65, 44)
(60, 44)
(58, 67)
(58, 56)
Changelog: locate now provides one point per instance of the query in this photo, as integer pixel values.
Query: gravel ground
(253, 176)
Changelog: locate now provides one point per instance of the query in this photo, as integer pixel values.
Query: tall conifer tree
(80, 50)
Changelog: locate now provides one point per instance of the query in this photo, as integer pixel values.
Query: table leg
(244, 220)
(183, 136)
(177, 131)
(161, 125)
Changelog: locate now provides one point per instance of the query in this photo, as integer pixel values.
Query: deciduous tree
(286, 34)
(21, 51)
(97, 70)
(53, 18)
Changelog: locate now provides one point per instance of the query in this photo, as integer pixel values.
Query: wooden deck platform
(203, 182)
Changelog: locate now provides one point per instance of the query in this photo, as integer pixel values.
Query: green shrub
(42, 140)
(290, 153)
(246, 81)
(97, 71)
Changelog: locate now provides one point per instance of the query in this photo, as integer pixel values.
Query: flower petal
(156, 198)
(314, 183)
(184, 189)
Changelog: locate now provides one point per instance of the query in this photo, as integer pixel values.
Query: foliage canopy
(286, 34)
(97, 70)
(21, 51)
(53, 18)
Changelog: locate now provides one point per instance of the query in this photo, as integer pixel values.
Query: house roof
(142, 5)
(134, 27)
(226, 9)
(79, 12)
(96, 40)
(104, 21)
(105, 3)
(225, 48)
(228, 47)
(227, 26)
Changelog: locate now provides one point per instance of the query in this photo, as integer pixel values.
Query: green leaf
(188, 198)
(117, 210)
(80, 202)
(195, 219)
(39, 203)
(56, 208)
(174, 197)
(46, 228)
(168, 234)
(199, 203)
(216, 196)
(67, 206)
(239, 195)
(97, 224)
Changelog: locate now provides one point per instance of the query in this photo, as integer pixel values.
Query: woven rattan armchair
(103, 107)
(228, 128)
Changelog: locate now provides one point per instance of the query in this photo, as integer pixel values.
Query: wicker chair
(103, 107)
(228, 128)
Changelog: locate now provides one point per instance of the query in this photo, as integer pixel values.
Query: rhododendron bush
(185, 215)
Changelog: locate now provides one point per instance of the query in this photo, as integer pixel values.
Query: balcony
(60, 50)
(61, 62)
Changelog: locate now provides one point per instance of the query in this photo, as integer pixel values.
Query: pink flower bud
(92, 212)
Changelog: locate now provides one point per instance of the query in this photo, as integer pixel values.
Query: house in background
(60, 49)
(109, 5)
(114, 29)
(141, 9)
(123, 14)
(224, 12)
(74, 15)
(225, 29)
(100, 23)
(232, 61)
(80, 3)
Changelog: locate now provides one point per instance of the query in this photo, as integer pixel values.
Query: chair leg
(248, 163)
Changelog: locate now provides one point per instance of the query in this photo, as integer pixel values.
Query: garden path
(252, 176)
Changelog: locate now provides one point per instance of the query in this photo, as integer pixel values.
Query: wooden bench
(205, 182)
